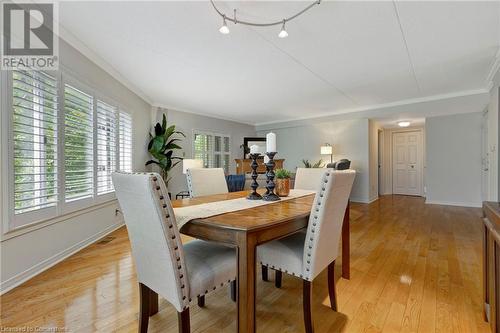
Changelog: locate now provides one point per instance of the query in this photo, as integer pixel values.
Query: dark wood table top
(253, 218)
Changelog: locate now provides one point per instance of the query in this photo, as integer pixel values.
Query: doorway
(485, 179)
(407, 163)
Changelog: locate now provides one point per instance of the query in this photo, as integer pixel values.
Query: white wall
(348, 137)
(26, 252)
(453, 149)
(187, 122)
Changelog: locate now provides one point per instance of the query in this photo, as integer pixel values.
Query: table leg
(346, 240)
(246, 283)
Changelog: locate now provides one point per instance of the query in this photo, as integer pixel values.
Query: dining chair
(305, 179)
(177, 272)
(206, 181)
(305, 255)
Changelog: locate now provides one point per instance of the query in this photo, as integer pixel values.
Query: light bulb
(224, 29)
(404, 123)
(283, 33)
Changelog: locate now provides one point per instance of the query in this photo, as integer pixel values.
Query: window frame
(13, 222)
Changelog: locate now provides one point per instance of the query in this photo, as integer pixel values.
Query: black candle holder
(270, 195)
(254, 195)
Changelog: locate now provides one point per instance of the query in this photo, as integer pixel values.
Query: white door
(407, 163)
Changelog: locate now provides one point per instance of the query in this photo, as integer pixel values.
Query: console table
(243, 165)
(491, 264)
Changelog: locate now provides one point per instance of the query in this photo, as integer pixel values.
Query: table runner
(185, 214)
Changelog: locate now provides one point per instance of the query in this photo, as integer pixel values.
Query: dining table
(246, 229)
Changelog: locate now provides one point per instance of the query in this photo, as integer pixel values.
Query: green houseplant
(282, 182)
(162, 146)
(308, 164)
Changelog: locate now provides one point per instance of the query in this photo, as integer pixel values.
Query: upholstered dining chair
(177, 272)
(305, 255)
(308, 178)
(305, 179)
(206, 181)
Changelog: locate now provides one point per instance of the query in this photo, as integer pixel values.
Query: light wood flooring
(415, 268)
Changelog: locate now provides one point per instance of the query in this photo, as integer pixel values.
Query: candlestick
(270, 195)
(254, 195)
(270, 142)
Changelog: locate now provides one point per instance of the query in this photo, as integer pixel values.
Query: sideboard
(243, 165)
(491, 264)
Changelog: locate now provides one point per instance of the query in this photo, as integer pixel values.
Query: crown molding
(495, 67)
(81, 47)
(385, 105)
(199, 113)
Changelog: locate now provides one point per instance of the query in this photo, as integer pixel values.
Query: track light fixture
(224, 29)
(282, 34)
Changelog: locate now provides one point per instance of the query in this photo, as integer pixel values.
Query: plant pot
(282, 187)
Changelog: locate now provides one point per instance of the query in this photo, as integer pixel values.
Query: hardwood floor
(415, 268)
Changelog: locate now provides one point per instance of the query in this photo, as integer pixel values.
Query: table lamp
(327, 149)
(191, 164)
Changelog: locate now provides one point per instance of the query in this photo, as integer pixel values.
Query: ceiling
(339, 57)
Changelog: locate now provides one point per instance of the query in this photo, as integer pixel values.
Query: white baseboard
(453, 203)
(365, 201)
(55, 259)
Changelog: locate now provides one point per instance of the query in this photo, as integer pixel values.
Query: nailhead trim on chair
(190, 184)
(173, 243)
(321, 194)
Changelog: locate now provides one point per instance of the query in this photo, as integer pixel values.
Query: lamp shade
(326, 150)
(191, 164)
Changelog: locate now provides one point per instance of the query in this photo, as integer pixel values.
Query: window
(78, 144)
(214, 149)
(65, 144)
(125, 142)
(34, 131)
(106, 146)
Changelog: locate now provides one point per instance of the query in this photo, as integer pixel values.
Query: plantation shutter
(106, 146)
(78, 144)
(125, 142)
(34, 129)
(203, 148)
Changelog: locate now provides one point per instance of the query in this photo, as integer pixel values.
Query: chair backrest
(325, 222)
(206, 181)
(308, 178)
(154, 236)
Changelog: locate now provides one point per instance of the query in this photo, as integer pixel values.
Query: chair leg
(201, 301)
(144, 295)
(307, 308)
(153, 303)
(331, 286)
(183, 321)
(265, 274)
(278, 278)
(233, 290)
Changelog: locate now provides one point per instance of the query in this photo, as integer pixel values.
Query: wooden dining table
(245, 230)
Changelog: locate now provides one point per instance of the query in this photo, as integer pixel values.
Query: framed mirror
(250, 141)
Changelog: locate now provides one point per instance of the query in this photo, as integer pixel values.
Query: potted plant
(282, 182)
(162, 146)
(308, 164)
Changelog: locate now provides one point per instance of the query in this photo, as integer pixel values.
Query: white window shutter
(78, 144)
(125, 142)
(34, 130)
(106, 146)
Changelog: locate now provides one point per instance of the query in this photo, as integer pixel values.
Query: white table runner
(185, 214)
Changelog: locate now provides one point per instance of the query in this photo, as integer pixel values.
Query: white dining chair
(308, 178)
(305, 179)
(177, 272)
(206, 181)
(305, 255)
